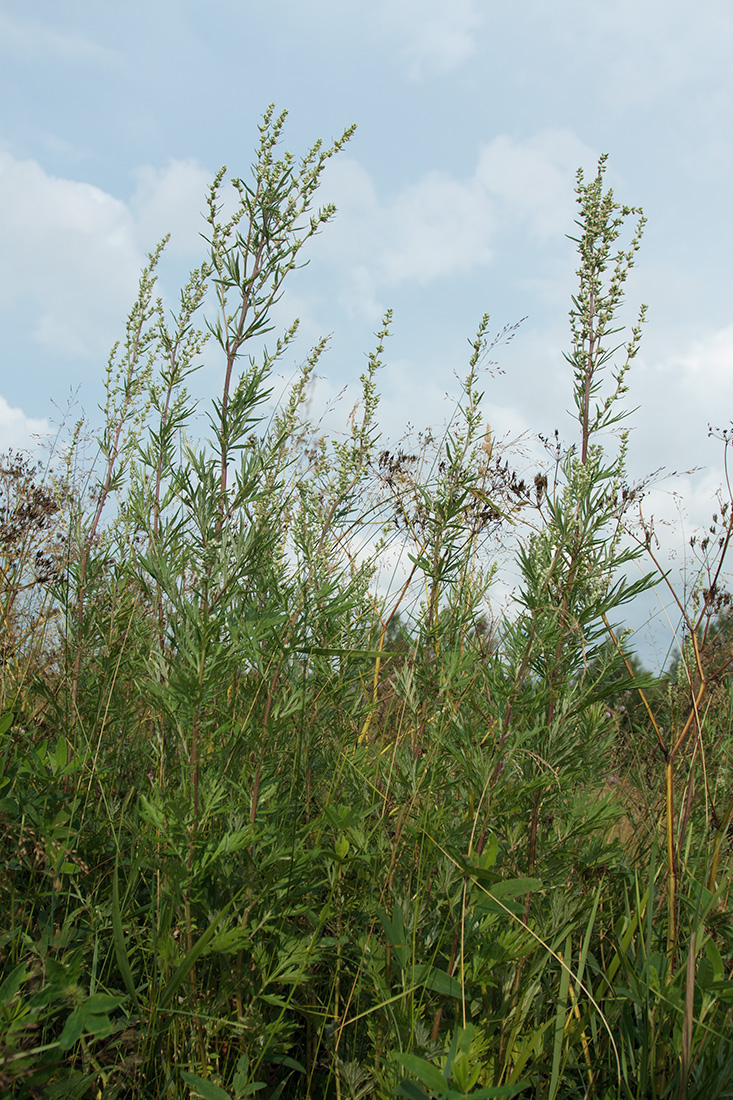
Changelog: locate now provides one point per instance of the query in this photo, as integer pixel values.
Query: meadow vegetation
(269, 828)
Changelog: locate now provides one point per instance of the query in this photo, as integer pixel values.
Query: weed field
(271, 827)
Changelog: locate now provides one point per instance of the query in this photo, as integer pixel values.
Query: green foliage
(267, 830)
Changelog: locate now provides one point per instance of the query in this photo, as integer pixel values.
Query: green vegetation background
(265, 830)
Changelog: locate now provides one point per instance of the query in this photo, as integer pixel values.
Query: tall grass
(266, 829)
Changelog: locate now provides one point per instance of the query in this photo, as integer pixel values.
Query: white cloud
(656, 49)
(32, 39)
(434, 37)
(532, 179)
(171, 200)
(68, 248)
(17, 430)
(75, 252)
(707, 367)
(441, 226)
(435, 228)
(681, 391)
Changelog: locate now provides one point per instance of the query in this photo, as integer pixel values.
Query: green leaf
(360, 654)
(73, 1028)
(439, 981)
(560, 1020)
(207, 1089)
(96, 1023)
(487, 859)
(495, 1092)
(498, 897)
(284, 1060)
(395, 932)
(411, 1090)
(101, 1002)
(515, 887)
(705, 974)
(6, 721)
(715, 960)
(425, 1072)
(12, 983)
(118, 936)
(185, 965)
(60, 756)
(723, 990)
(229, 941)
(90, 1016)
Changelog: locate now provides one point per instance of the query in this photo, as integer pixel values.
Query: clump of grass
(275, 831)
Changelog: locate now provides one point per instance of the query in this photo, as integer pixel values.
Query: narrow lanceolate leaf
(322, 651)
(187, 962)
(118, 935)
(560, 1021)
(496, 1092)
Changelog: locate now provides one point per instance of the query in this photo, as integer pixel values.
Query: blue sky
(455, 195)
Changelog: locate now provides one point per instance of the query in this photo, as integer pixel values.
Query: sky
(455, 198)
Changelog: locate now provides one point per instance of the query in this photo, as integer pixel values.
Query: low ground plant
(267, 828)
